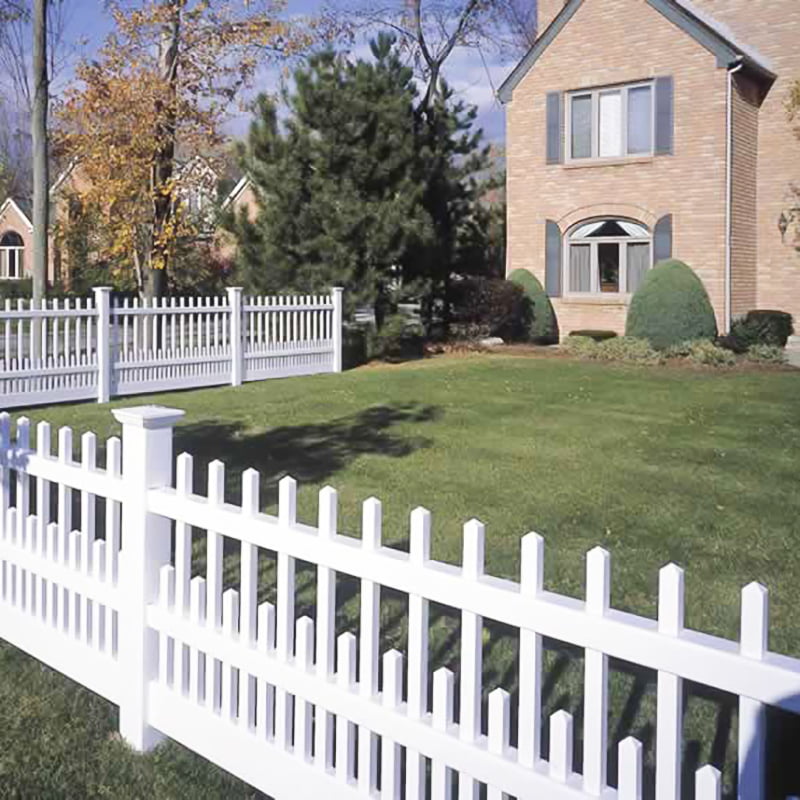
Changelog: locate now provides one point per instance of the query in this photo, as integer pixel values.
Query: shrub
(543, 326)
(398, 339)
(15, 290)
(679, 350)
(762, 327)
(627, 348)
(598, 336)
(354, 346)
(581, 346)
(703, 351)
(484, 307)
(671, 306)
(765, 354)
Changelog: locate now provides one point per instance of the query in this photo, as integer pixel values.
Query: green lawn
(655, 464)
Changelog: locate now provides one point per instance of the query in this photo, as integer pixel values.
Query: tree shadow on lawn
(310, 453)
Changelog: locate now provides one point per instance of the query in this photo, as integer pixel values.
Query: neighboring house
(242, 196)
(639, 130)
(199, 194)
(16, 240)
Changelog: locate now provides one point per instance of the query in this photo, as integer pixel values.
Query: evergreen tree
(450, 161)
(339, 195)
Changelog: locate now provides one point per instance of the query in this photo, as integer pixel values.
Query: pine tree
(340, 200)
(450, 162)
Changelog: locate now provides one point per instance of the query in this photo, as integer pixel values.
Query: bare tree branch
(429, 30)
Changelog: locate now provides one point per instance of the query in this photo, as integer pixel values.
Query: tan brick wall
(744, 173)
(606, 42)
(773, 28)
(546, 11)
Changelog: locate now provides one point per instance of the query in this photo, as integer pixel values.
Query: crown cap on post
(150, 417)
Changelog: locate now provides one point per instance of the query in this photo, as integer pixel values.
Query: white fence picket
(277, 700)
(76, 349)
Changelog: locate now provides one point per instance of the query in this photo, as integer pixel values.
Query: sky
(474, 76)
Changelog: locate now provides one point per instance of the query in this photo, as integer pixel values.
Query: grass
(655, 464)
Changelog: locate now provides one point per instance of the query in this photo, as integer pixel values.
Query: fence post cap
(234, 289)
(101, 289)
(337, 289)
(150, 417)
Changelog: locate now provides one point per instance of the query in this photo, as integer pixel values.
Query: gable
(678, 12)
(13, 216)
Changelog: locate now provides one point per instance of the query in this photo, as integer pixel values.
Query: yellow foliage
(121, 115)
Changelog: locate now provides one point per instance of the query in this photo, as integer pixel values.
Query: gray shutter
(664, 116)
(555, 126)
(662, 239)
(552, 259)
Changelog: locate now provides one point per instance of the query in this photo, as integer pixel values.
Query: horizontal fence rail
(94, 349)
(199, 619)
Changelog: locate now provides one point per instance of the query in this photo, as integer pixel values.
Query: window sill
(607, 162)
(597, 300)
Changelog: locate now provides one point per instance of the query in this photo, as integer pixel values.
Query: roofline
(65, 173)
(506, 90)
(726, 53)
(10, 201)
(236, 191)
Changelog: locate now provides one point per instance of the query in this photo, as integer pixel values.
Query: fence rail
(78, 350)
(294, 709)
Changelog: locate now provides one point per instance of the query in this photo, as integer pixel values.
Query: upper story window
(610, 123)
(11, 252)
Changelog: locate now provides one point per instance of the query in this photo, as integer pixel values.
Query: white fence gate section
(78, 350)
(298, 712)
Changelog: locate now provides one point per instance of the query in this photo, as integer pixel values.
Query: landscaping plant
(765, 354)
(543, 327)
(483, 307)
(671, 306)
(763, 327)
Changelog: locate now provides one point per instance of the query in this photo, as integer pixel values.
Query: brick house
(16, 240)
(639, 130)
(199, 194)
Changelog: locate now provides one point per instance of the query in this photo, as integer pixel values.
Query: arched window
(607, 256)
(12, 249)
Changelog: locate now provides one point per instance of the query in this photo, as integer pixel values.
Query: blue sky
(472, 76)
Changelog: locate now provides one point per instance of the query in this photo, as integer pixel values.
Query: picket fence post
(237, 319)
(336, 293)
(102, 302)
(146, 464)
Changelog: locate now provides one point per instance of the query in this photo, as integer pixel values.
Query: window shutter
(664, 116)
(662, 239)
(555, 128)
(552, 259)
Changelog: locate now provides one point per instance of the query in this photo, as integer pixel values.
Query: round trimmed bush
(671, 306)
(543, 327)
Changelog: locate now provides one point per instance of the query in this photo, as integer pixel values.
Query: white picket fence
(77, 350)
(285, 704)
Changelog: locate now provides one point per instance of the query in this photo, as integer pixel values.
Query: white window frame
(594, 263)
(5, 259)
(595, 136)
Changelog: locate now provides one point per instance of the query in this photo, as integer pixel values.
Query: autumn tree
(39, 131)
(163, 84)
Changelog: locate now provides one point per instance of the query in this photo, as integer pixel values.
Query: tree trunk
(163, 164)
(41, 180)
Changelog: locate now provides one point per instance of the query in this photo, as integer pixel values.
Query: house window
(610, 123)
(607, 256)
(11, 253)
